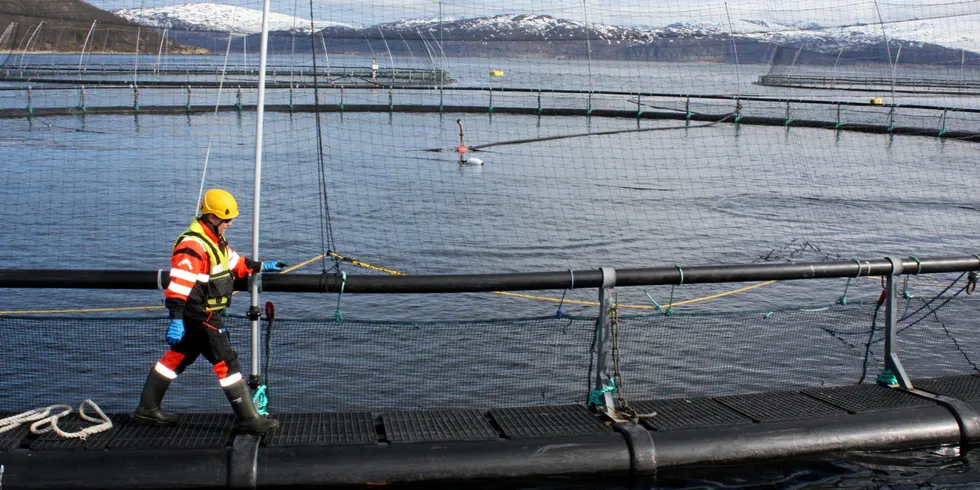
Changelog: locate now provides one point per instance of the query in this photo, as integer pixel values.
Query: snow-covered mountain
(503, 34)
(217, 18)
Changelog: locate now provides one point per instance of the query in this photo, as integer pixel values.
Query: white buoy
(473, 161)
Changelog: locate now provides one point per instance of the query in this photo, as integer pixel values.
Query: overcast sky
(616, 12)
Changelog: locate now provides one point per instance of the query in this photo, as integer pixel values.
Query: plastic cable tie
(681, 271)
(159, 278)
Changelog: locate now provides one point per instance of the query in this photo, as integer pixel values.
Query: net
(362, 365)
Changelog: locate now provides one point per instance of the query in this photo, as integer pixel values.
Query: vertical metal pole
(892, 362)
(603, 335)
(253, 311)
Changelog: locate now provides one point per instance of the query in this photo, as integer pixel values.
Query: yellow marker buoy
(496, 73)
(876, 101)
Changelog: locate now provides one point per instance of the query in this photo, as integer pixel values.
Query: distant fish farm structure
(281, 76)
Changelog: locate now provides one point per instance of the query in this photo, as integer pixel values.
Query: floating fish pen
(905, 85)
(694, 110)
(530, 424)
(483, 292)
(206, 75)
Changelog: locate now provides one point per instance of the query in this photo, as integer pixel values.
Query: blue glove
(175, 331)
(274, 265)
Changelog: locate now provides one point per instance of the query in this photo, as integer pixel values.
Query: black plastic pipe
(563, 461)
(329, 283)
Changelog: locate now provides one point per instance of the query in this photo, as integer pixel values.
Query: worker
(202, 272)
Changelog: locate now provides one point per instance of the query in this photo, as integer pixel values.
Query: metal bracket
(643, 454)
(255, 280)
(892, 362)
(603, 334)
(966, 416)
(243, 462)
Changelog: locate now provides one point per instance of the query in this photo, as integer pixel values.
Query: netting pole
(539, 102)
(81, 99)
(341, 99)
(639, 106)
(894, 373)
(254, 288)
(136, 99)
(188, 98)
(788, 118)
(687, 108)
(30, 101)
(942, 131)
(603, 385)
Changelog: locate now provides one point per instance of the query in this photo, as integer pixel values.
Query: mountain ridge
(537, 35)
(66, 25)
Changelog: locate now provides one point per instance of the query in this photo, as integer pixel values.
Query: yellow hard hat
(220, 203)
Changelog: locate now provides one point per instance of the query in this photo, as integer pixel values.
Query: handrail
(459, 283)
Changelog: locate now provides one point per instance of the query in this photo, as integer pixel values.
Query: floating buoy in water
(496, 73)
(462, 149)
(472, 161)
(876, 101)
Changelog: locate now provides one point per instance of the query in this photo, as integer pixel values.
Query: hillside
(64, 25)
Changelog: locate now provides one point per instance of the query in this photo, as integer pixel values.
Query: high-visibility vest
(220, 282)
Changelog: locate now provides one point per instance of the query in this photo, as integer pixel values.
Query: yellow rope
(85, 310)
(567, 301)
(638, 307)
(399, 273)
(366, 265)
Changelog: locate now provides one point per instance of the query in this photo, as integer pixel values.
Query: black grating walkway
(965, 388)
(13, 437)
(687, 413)
(785, 405)
(322, 429)
(868, 398)
(193, 431)
(72, 423)
(560, 420)
(438, 425)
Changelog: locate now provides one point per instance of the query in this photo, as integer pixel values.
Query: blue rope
(337, 315)
(670, 304)
(560, 313)
(843, 299)
(261, 400)
(596, 397)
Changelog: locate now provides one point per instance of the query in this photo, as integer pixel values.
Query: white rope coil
(44, 420)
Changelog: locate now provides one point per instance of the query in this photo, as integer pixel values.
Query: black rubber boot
(149, 411)
(249, 421)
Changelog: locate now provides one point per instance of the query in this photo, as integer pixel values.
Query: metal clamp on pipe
(255, 279)
(966, 416)
(243, 462)
(643, 454)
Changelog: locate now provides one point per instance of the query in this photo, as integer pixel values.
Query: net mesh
(326, 365)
